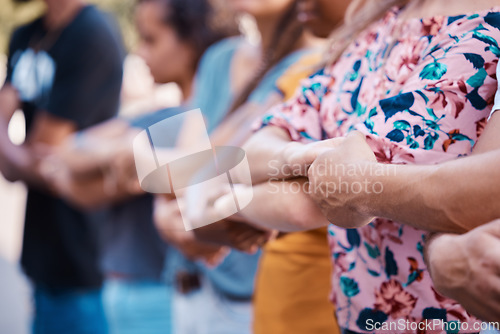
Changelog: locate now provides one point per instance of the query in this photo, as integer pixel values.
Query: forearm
(17, 163)
(284, 206)
(264, 153)
(95, 193)
(452, 197)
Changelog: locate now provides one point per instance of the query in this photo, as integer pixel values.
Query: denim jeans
(69, 311)
(138, 307)
(205, 311)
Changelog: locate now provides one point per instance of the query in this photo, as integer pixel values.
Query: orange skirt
(293, 285)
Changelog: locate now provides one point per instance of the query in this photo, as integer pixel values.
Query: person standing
(65, 73)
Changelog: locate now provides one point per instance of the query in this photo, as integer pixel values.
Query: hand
(298, 157)
(340, 177)
(466, 268)
(235, 234)
(121, 174)
(234, 231)
(169, 223)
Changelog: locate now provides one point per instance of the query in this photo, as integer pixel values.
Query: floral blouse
(422, 97)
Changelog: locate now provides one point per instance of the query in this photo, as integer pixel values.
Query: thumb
(328, 143)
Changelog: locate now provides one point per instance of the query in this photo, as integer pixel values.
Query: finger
(253, 242)
(248, 242)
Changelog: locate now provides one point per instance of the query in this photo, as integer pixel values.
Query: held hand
(466, 268)
(339, 179)
(226, 228)
(235, 234)
(234, 231)
(169, 223)
(297, 157)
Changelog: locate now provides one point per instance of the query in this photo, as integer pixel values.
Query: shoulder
(95, 28)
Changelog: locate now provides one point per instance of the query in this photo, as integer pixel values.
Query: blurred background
(139, 94)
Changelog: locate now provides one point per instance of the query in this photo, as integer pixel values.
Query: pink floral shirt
(422, 100)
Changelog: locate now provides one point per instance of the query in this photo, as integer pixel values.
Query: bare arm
(95, 167)
(21, 162)
(273, 156)
(451, 197)
(466, 268)
(280, 205)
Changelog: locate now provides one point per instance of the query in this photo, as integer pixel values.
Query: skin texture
(466, 268)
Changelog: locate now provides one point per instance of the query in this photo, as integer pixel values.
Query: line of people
(370, 131)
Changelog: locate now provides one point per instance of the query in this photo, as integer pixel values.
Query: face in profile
(322, 16)
(164, 52)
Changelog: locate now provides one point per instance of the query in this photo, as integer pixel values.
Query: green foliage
(12, 15)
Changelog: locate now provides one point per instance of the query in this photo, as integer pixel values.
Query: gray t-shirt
(132, 246)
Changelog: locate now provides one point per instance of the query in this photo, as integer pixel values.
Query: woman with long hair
(417, 78)
(237, 80)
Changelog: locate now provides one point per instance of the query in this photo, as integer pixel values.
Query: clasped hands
(338, 171)
(324, 163)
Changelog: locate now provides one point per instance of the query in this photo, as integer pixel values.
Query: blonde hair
(359, 15)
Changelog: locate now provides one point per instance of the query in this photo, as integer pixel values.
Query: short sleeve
(445, 101)
(88, 77)
(300, 115)
(212, 90)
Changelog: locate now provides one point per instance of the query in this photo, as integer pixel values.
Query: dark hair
(286, 34)
(196, 22)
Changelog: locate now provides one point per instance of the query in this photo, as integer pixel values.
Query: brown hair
(287, 32)
(359, 15)
(198, 22)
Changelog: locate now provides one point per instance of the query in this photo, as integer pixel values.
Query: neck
(267, 28)
(60, 12)
(186, 86)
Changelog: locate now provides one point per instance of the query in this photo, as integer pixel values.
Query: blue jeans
(69, 311)
(205, 311)
(138, 307)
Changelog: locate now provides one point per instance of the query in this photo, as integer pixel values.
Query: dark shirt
(133, 248)
(74, 74)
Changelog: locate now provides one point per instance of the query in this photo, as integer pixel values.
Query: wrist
(377, 190)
